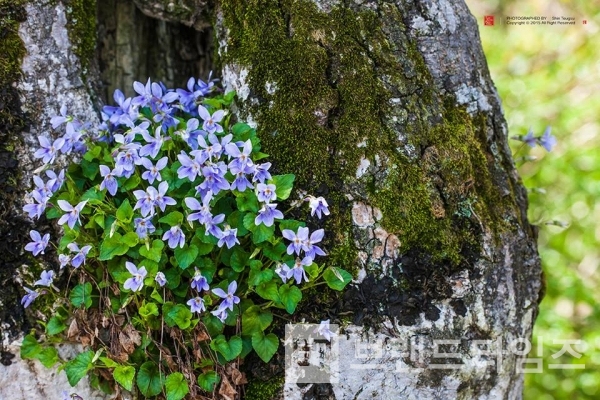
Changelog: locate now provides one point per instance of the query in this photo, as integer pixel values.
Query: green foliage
(159, 278)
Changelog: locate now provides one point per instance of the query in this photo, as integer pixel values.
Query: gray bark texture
(386, 108)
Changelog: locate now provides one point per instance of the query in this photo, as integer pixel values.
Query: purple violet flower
(175, 237)
(190, 168)
(143, 226)
(547, 141)
(70, 138)
(212, 228)
(309, 247)
(39, 243)
(72, 213)
(210, 124)
(297, 239)
(58, 120)
(145, 200)
(35, 210)
(46, 278)
(196, 305)
(199, 282)
(110, 182)
(230, 297)
(214, 179)
(154, 143)
(242, 183)
(282, 271)
(160, 279)
(64, 259)
(261, 172)
(298, 271)
(220, 313)
(267, 214)
(317, 205)
(153, 171)
(136, 282)
(323, 330)
(228, 237)
(58, 179)
(529, 139)
(49, 150)
(203, 215)
(241, 158)
(160, 199)
(29, 297)
(82, 253)
(266, 193)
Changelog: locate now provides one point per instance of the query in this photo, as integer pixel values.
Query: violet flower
(298, 271)
(49, 149)
(297, 239)
(266, 193)
(267, 215)
(228, 237)
(199, 282)
(72, 213)
(39, 243)
(29, 297)
(196, 305)
(153, 171)
(547, 141)
(160, 279)
(136, 282)
(318, 205)
(175, 237)
(210, 123)
(46, 278)
(229, 298)
(110, 182)
(82, 253)
(143, 226)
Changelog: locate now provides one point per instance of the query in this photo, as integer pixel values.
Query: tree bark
(387, 109)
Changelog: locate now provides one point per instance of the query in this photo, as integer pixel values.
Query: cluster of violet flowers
(210, 158)
(546, 140)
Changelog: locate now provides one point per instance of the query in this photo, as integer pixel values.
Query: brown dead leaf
(237, 377)
(73, 331)
(226, 391)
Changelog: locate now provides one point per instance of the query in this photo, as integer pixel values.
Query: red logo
(488, 20)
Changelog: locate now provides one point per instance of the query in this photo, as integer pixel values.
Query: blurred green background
(550, 75)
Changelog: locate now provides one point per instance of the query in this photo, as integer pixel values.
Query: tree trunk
(386, 109)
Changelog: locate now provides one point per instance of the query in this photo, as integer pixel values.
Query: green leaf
(291, 224)
(131, 239)
(262, 233)
(239, 258)
(248, 221)
(55, 326)
(112, 247)
(178, 315)
(213, 325)
(148, 310)
(30, 347)
(228, 349)
(247, 201)
(274, 252)
(108, 362)
(92, 153)
(172, 219)
(290, 297)
(155, 252)
(268, 291)
(93, 196)
(332, 276)
(53, 212)
(203, 248)
(125, 212)
(130, 183)
(156, 296)
(208, 380)
(69, 237)
(265, 345)
(81, 295)
(124, 375)
(89, 169)
(78, 367)
(186, 256)
(254, 320)
(149, 379)
(240, 128)
(283, 185)
(257, 277)
(48, 357)
(99, 219)
(176, 386)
